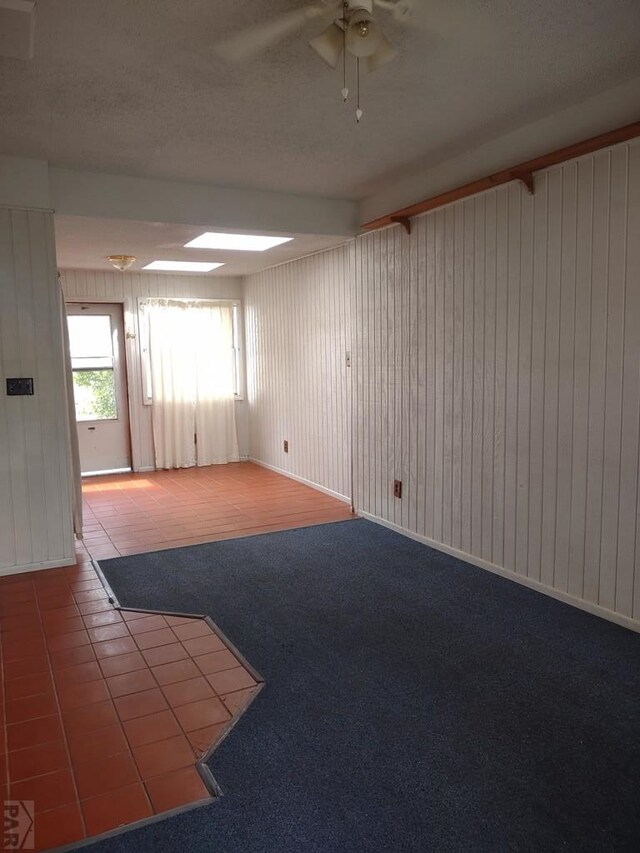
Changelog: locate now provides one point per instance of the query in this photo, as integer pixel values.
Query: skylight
(235, 242)
(182, 266)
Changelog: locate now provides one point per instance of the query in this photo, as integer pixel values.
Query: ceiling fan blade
(329, 44)
(254, 40)
(444, 18)
(385, 53)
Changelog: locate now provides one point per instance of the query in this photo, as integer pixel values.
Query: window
(238, 358)
(92, 362)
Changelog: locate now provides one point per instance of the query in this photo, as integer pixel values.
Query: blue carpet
(412, 703)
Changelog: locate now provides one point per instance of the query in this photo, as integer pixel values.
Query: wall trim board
(28, 208)
(519, 172)
(344, 498)
(565, 598)
(36, 567)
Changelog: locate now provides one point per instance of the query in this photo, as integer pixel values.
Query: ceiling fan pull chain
(359, 112)
(345, 90)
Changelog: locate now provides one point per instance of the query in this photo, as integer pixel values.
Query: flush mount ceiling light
(354, 31)
(236, 242)
(121, 262)
(182, 266)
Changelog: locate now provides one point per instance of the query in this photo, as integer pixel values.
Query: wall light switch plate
(20, 387)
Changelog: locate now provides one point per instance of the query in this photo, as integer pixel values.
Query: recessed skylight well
(236, 242)
(182, 266)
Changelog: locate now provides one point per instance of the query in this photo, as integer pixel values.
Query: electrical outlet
(397, 488)
(285, 446)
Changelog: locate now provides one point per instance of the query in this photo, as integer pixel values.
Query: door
(96, 338)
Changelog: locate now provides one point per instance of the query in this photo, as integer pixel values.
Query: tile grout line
(151, 505)
(61, 718)
(5, 724)
(171, 709)
(197, 759)
(234, 717)
(121, 724)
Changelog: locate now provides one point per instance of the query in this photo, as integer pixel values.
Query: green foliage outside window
(95, 395)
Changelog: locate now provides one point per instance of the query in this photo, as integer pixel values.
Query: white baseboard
(595, 609)
(36, 567)
(147, 469)
(298, 479)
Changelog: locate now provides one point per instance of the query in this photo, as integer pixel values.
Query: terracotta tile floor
(131, 513)
(105, 713)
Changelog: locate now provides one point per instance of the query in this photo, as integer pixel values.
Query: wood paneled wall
(36, 528)
(297, 331)
(497, 374)
(127, 288)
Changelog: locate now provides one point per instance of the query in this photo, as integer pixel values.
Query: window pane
(90, 337)
(91, 363)
(95, 395)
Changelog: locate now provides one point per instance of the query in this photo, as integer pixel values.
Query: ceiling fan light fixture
(121, 262)
(363, 34)
(385, 53)
(328, 45)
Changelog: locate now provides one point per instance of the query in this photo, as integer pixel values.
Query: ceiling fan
(354, 28)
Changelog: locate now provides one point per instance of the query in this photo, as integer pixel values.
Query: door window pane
(95, 395)
(90, 341)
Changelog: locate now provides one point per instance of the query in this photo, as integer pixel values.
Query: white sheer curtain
(191, 356)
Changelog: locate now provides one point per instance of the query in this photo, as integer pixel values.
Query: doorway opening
(96, 339)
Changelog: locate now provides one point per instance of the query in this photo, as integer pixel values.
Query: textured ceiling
(84, 243)
(133, 87)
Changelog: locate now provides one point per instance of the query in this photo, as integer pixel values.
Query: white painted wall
(496, 372)
(297, 331)
(36, 528)
(127, 288)
(498, 376)
(24, 183)
(100, 195)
